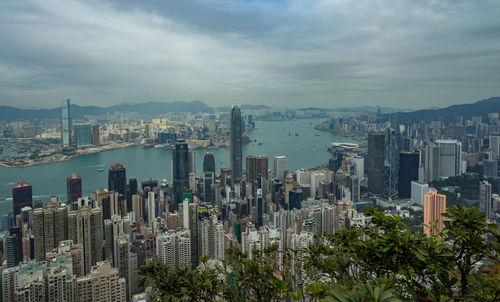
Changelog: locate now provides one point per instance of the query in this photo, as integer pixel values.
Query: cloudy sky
(328, 53)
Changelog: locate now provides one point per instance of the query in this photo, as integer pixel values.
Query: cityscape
(361, 164)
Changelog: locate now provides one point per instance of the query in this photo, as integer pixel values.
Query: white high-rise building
(101, 284)
(174, 248)
(316, 178)
(279, 166)
(360, 166)
(212, 238)
(303, 177)
(450, 158)
(151, 206)
(253, 239)
(418, 190)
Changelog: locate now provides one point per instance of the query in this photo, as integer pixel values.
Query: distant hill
(371, 109)
(8, 113)
(243, 107)
(448, 114)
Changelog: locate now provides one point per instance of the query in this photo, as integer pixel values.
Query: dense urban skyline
(321, 53)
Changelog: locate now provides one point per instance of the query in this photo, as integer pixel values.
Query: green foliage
(384, 261)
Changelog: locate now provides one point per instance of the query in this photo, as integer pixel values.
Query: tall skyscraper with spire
(236, 143)
(66, 125)
(180, 167)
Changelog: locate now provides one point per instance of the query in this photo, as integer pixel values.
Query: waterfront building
(66, 124)
(180, 175)
(485, 199)
(73, 188)
(418, 191)
(101, 284)
(236, 144)
(434, 208)
(96, 141)
(408, 172)
(50, 225)
(376, 148)
(257, 166)
(83, 135)
(22, 196)
(117, 179)
(280, 166)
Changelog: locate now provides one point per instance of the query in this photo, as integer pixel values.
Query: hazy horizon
(295, 53)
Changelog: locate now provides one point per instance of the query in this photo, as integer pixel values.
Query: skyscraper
(209, 177)
(236, 135)
(66, 125)
(485, 204)
(450, 158)
(408, 172)
(173, 248)
(375, 161)
(50, 225)
(121, 259)
(432, 163)
(131, 191)
(73, 188)
(180, 175)
(279, 166)
(117, 179)
(434, 207)
(257, 167)
(95, 135)
(85, 228)
(83, 135)
(22, 196)
(391, 163)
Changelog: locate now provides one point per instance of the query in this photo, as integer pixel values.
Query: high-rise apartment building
(236, 144)
(60, 280)
(66, 124)
(121, 259)
(85, 228)
(434, 208)
(495, 144)
(490, 168)
(50, 225)
(73, 188)
(22, 196)
(189, 212)
(280, 166)
(117, 178)
(212, 238)
(375, 161)
(180, 175)
(173, 248)
(101, 284)
(257, 166)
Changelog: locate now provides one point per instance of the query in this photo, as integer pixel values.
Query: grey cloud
(287, 52)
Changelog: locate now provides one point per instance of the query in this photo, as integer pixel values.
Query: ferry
(100, 170)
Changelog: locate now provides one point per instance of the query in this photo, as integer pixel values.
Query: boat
(316, 134)
(1, 198)
(289, 134)
(100, 170)
(260, 143)
(296, 134)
